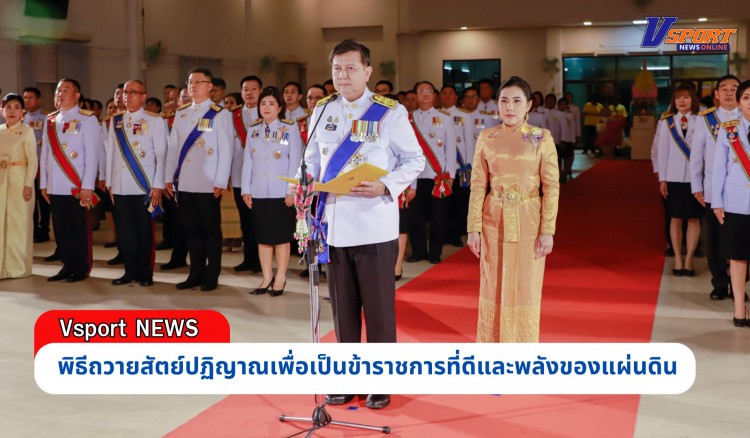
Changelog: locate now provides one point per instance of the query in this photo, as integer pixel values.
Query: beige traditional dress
(509, 166)
(18, 164)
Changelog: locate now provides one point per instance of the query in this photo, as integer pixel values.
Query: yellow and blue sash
(684, 148)
(205, 121)
(339, 158)
(463, 171)
(134, 165)
(713, 124)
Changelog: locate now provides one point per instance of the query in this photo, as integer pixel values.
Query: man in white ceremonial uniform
(437, 138)
(459, 201)
(35, 118)
(362, 227)
(69, 163)
(242, 118)
(199, 162)
(487, 103)
(136, 160)
(101, 190)
(292, 93)
(702, 139)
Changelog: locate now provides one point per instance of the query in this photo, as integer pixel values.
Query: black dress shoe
(434, 260)
(188, 284)
(275, 293)
(209, 286)
(718, 296)
(457, 243)
(172, 265)
(41, 239)
(147, 283)
(125, 279)
(398, 277)
(339, 399)
(110, 244)
(52, 258)
(305, 274)
(59, 276)
(74, 278)
(163, 245)
(118, 259)
(378, 401)
(413, 259)
(262, 290)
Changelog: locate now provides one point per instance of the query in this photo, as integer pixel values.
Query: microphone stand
(320, 417)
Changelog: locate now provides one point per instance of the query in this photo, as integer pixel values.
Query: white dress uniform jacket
(731, 186)
(149, 145)
(353, 220)
(209, 162)
(463, 130)
(35, 120)
(437, 129)
(80, 139)
(673, 165)
(249, 116)
(703, 149)
(267, 158)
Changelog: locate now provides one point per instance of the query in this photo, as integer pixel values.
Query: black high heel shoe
(262, 290)
(739, 322)
(275, 293)
(688, 272)
(678, 272)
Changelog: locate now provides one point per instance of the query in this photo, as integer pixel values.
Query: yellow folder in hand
(343, 184)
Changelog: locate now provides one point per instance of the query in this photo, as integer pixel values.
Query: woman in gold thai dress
(18, 163)
(510, 226)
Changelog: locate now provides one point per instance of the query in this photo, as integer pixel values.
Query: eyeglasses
(424, 91)
(188, 83)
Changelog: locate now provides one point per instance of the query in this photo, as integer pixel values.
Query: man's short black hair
(252, 78)
(388, 83)
(204, 71)
(350, 45)
(219, 82)
(33, 90)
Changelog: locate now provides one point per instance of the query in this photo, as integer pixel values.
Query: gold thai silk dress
(18, 165)
(509, 167)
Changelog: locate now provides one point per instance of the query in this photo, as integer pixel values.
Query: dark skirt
(403, 220)
(273, 221)
(734, 236)
(681, 203)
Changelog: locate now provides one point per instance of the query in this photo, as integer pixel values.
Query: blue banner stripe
(194, 134)
(129, 156)
(341, 156)
(679, 140)
(713, 124)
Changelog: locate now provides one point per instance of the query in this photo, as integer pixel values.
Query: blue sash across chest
(339, 158)
(684, 148)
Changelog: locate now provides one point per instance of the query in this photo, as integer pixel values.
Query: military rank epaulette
(182, 107)
(301, 118)
(444, 111)
(152, 114)
(167, 115)
(485, 113)
(308, 111)
(707, 111)
(216, 108)
(237, 110)
(464, 110)
(257, 122)
(85, 112)
(53, 113)
(107, 117)
(326, 99)
(665, 115)
(288, 122)
(734, 122)
(385, 101)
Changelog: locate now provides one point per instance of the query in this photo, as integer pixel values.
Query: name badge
(140, 128)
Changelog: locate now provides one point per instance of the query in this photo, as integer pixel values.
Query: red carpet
(601, 285)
